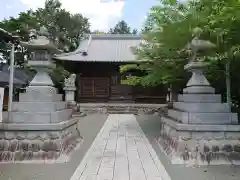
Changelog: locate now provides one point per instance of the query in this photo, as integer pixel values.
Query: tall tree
(169, 28)
(120, 28)
(65, 29)
(134, 31)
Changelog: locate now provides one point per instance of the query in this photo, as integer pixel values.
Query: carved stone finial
(70, 82)
(197, 32)
(198, 45)
(32, 34)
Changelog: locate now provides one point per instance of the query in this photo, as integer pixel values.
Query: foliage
(98, 32)
(168, 29)
(62, 26)
(65, 29)
(122, 28)
(128, 67)
(134, 31)
(58, 75)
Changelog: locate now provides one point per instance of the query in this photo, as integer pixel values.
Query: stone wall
(38, 145)
(202, 148)
(123, 108)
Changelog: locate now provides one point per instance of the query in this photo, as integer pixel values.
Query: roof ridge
(88, 44)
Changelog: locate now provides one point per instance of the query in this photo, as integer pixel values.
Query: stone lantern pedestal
(40, 126)
(70, 94)
(70, 89)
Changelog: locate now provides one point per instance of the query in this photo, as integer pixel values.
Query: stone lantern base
(24, 142)
(40, 127)
(196, 144)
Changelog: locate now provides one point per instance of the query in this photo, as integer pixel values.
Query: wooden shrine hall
(97, 63)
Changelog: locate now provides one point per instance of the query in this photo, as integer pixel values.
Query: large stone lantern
(40, 126)
(200, 129)
(41, 60)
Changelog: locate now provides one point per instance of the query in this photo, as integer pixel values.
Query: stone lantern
(40, 126)
(42, 50)
(200, 129)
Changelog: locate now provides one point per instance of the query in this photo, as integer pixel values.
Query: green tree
(65, 29)
(121, 28)
(98, 32)
(134, 31)
(169, 28)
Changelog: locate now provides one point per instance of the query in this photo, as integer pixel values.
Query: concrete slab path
(121, 151)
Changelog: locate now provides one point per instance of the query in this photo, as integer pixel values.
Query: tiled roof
(6, 36)
(104, 48)
(4, 78)
(20, 77)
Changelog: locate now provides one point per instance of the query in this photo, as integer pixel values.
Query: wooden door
(93, 87)
(101, 87)
(86, 87)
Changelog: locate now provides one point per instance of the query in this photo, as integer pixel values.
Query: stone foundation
(137, 109)
(198, 145)
(43, 144)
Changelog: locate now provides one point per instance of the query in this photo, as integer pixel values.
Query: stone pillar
(1, 103)
(70, 94)
(70, 89)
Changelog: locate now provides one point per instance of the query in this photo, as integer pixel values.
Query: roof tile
(104, 48)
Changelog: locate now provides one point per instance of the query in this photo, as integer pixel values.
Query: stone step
(28, 97)
(78, 114)
(38, 106)
(202, 107)
(203, 118)
(199, 98)
(122, 112)
(40, 117)
(199, 89)
(121, 109)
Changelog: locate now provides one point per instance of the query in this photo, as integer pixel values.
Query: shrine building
(97, 61)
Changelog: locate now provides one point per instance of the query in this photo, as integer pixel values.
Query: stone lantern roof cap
(41, 41)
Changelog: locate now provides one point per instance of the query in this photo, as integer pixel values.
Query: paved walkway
(121, 151)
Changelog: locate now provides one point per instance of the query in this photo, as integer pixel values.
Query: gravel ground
(151, 125)
(89, 127)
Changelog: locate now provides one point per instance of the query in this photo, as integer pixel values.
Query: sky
(103, 14)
